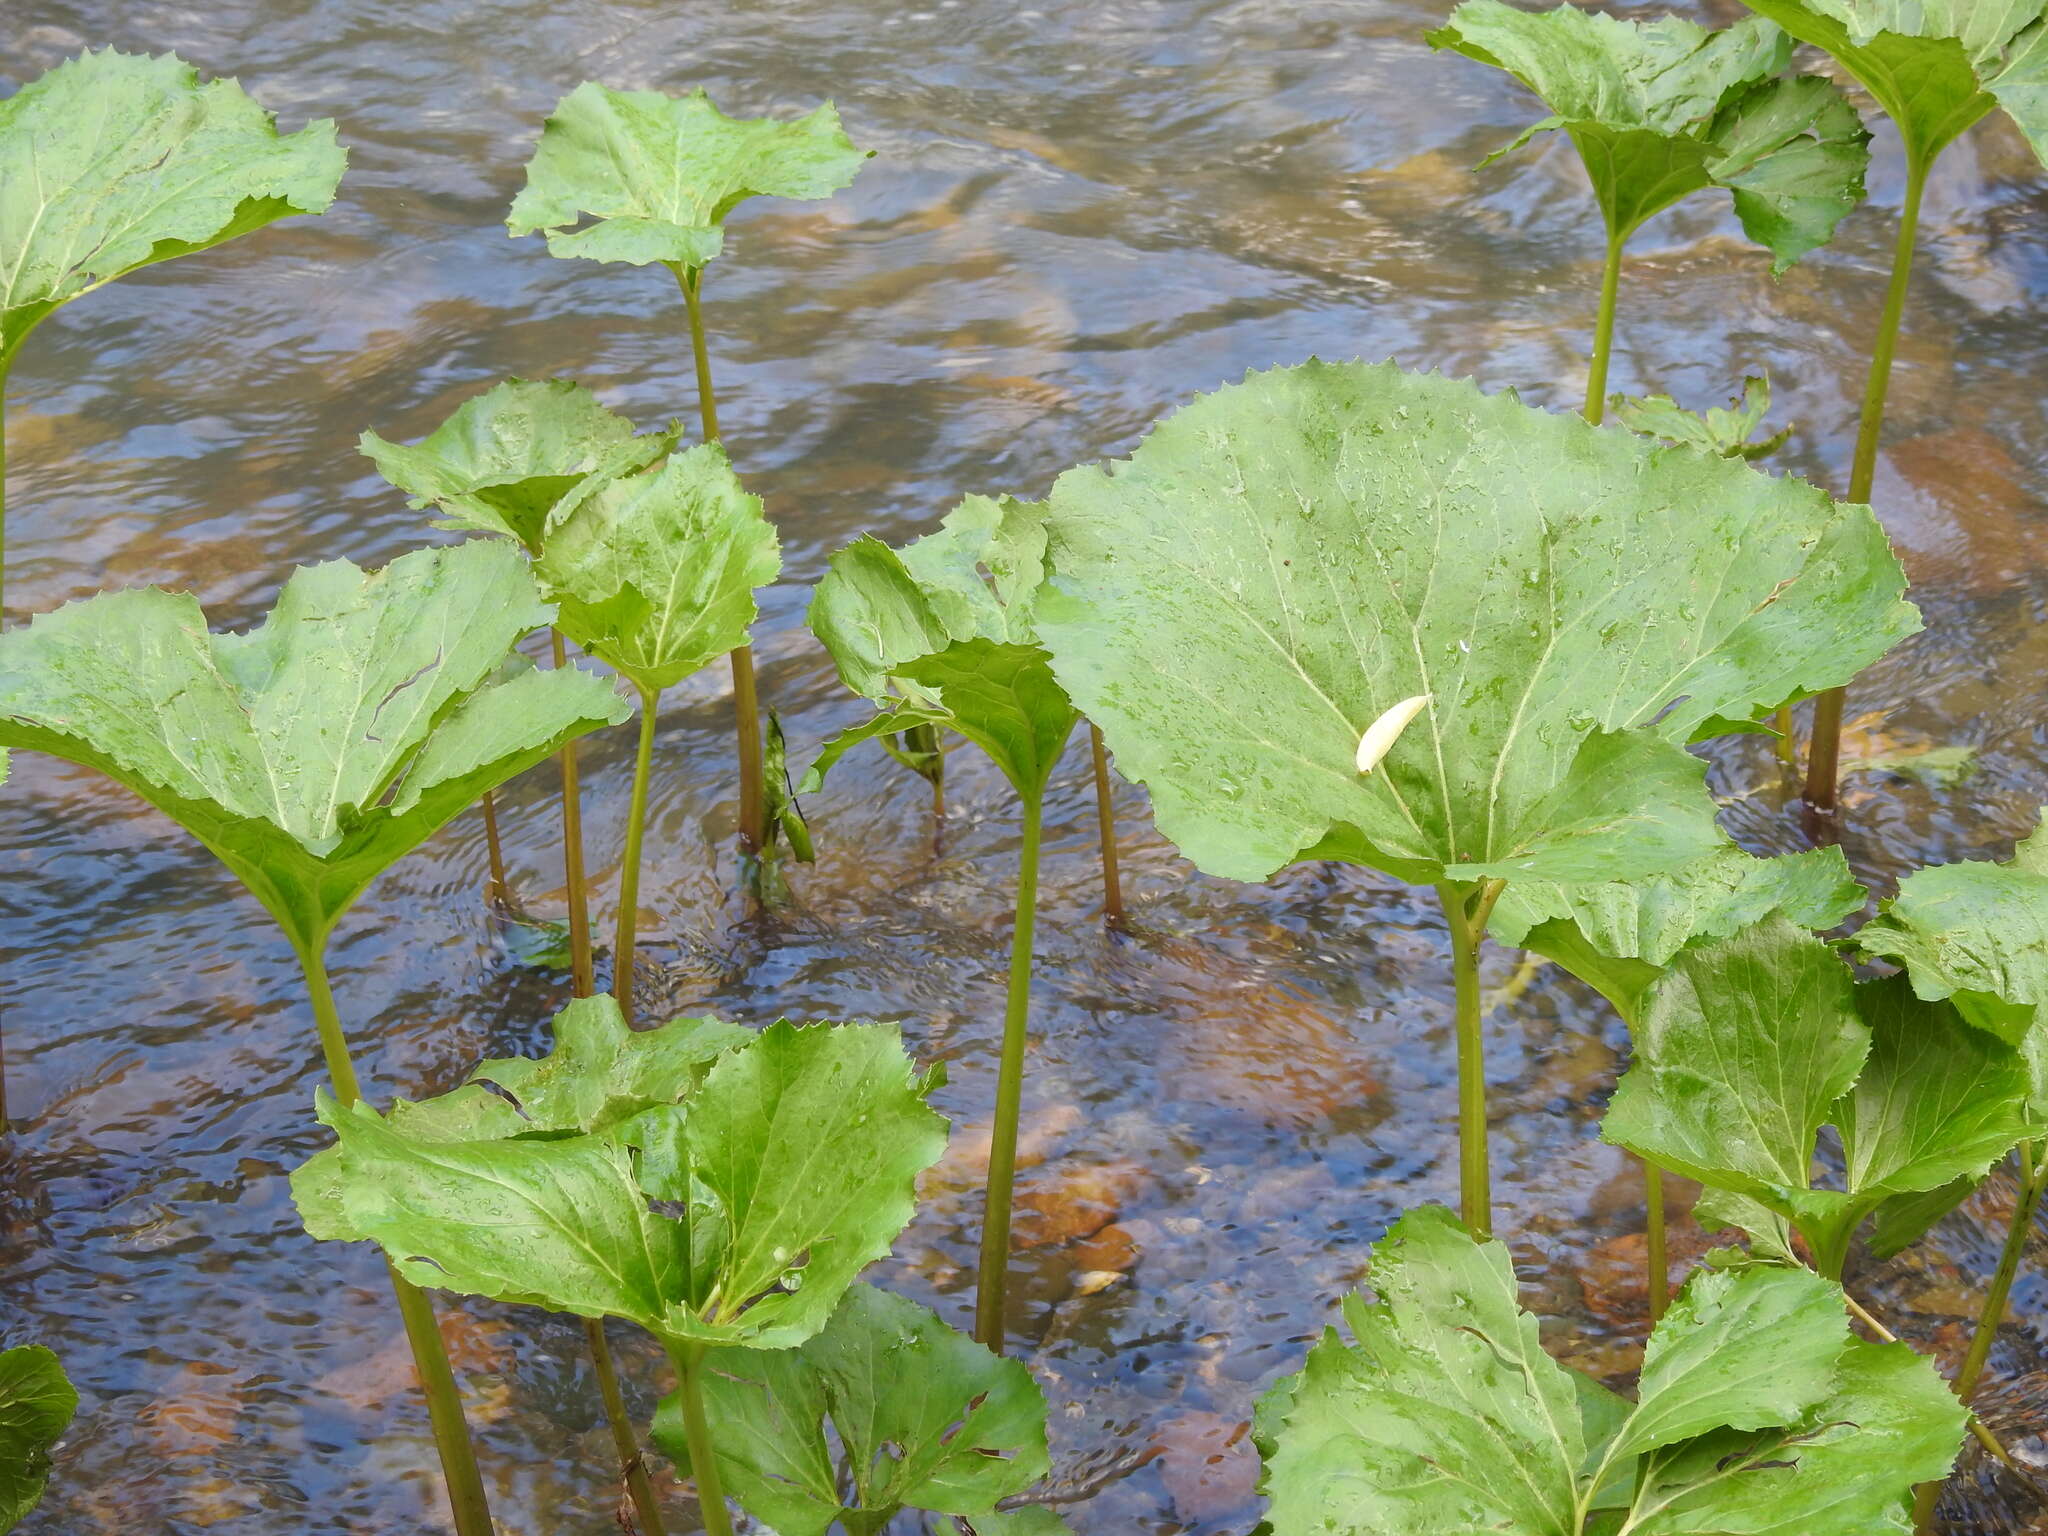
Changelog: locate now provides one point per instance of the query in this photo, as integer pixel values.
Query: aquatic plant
(1757, 1411)
(1277, 565)
(36, 1405)
(656, 177)
(1662, 109)
(1727, 430)
(309, 755)
(720, 1188)
(654, 573)
(1936, 69)
(941, 633)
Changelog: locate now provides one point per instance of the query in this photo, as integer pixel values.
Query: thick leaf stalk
(745, 697)
(629, 867)
(689, 1363)
(1105, 824)
(1465, 911)
(1603, 331)
(575, 882)
(1824, 754)
(991, 1286)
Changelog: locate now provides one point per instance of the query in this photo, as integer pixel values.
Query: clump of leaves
(1728, 431)
(1757, 1411)
(885, 1409)
(314, 751)
(1659, 110)
(1285, 560)
(36, 1405)
(717, 1187)
(940, 633)
(655, 573)
(1748, 1046)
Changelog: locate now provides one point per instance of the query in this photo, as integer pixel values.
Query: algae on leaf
(506, 460)
(1758, 1412)
(656, 175)
(1283, 560)
(1662, 109)
(886, 1408)
(36, 1405)
(309, 754)
(112, 161)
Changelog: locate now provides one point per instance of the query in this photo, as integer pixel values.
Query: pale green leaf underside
(655, 572)
(790, 1169)
(1662, 109)
(364, 712)
(112, 161)
(505, 460)
(1443, 1414)
(1283, 560)
(36, 1405)
(1935, 66)
(885, 1408)
(1618, 935)
(656, 174)
(942, 631)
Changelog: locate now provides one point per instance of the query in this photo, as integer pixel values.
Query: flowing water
(1079, 214)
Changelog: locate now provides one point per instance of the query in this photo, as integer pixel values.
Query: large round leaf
(1281, 562)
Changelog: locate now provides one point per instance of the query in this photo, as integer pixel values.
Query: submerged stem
(629, 867)
(688, 1360)
(632, 1465)
(1002, 1156)
(575, 886)
(1823, 757)
(494, 848)
(1466, 915)
(466, 1497)
(746, 703)
(1603, 332)
(1105, 822)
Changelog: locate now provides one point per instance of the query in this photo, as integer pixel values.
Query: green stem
(1603, 333)
(689, 1363)
(746, 703)
(1466, 916)
(466, 1497)
(1105, 822)
(1787, 744)
(4, 1124)
(1823, 757)
(575, 885)
(631, 1464)
(2033, 1179)
(1658, 1261)
(629, 869)
(991, 1285)
(494, 848)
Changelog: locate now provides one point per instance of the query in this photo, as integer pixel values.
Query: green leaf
(1026, 1520)
(1285, 559)
(1935, 66)
(1845, 1468)
(655, 572)
(1443, 1414)
(1618, 935)
(658, 174)
(1659, 110)
(506, 459)
(787, 1171)
(36, 1405)
(314, 751)
(1741, 1050)
(1726, 432)
(886, 1408)
(948, 622)
(1749, 1045)
(787, 824)
(113, 161)
(1976, 934)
